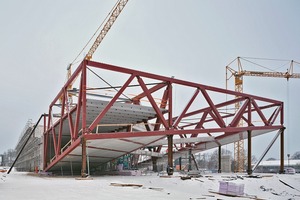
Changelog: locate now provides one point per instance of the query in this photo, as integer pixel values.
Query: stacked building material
(230, 188)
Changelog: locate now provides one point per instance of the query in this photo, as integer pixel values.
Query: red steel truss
(208, 112)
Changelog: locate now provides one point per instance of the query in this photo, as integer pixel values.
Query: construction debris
(185, 177)
(197, 179)
(156, 188)
(84, 178)
(150, 187)
(253, 176)
(229, 178)
(208, 195)
(126, 185)
(165, 176)
(194, 174)
(240, 196)
(288, 185)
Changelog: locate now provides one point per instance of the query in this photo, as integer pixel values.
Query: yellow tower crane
(108, 22)
(238, 75)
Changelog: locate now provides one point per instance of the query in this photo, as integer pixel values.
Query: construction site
(113, 120)
(85, 127)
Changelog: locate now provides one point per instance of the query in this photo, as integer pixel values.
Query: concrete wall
(226, 163)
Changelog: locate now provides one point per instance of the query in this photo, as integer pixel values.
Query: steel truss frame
(211, 118)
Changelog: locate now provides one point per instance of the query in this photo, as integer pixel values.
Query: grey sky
(189, 39)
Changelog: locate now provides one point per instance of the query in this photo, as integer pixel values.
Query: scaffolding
(30, 158)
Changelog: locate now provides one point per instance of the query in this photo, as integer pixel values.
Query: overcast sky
(192, 40)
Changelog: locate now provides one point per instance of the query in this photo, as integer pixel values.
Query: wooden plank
(126, 185)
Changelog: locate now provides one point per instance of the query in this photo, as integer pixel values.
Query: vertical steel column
(180, 163)
(190, 160)
(45, 153)
(170, 155)
(83, 166)
(83, 88)
(249, 170)
(219, 159)
(45, 122)
(281, 171)
(45, 142)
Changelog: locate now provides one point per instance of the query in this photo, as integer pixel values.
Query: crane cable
(73, 62)
(108, 83)
(258, 64)
(288, 116)
(271, 59)
(267, 59)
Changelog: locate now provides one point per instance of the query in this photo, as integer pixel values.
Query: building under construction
(31, 156)
(106, 115)
(94, 123)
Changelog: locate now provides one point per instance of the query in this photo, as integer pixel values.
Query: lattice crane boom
(117, 9)
(112, 18)
(271, 74)
(240, 72)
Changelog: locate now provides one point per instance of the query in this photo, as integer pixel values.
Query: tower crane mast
(238, 83)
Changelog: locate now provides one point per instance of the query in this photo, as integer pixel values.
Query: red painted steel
(104, 111)
(210, 118)
(178, 119)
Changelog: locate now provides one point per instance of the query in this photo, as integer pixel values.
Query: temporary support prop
(29, 136)
(195, 162)
(281, 133)
(220, 159)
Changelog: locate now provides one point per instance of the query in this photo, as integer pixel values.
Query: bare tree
(296, 156)
(8, 157)
(213, 161)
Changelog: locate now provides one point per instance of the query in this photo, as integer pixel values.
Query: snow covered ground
(25, 186)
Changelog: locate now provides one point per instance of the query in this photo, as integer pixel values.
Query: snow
(21, 185)
(277, 163)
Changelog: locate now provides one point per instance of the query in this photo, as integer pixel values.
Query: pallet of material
(231, 188)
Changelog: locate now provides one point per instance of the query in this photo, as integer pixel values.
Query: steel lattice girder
(118, 123)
